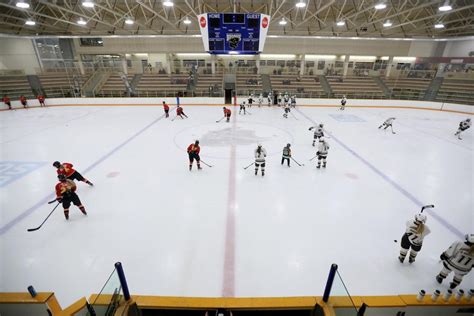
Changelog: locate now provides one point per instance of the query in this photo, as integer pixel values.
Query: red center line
(228, 285)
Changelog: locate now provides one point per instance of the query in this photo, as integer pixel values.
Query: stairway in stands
(433, 88)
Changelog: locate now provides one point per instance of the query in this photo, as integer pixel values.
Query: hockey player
(193, 153)
(287, 110)
(458, 258)
(270, 98)
(65, 194)
(322, 152)
(388, 123)
(7, 102)
(260, 100)
(318, 132)
(464, 125)
(413, 238)
(293, 101)
(343, 102)
(166, 108)
(23, 101)
(242, 108)
(280, 99)
(41, 100)
(227, 114)
(286, 99)
(180, 112)
(71, 174)
(286, 154)
(250, 99)
(260, 154)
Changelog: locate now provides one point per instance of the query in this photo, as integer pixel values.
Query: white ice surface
(168, 225)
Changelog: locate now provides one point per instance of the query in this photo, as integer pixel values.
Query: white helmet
(321, 140)
(420, 218)
(469, 238)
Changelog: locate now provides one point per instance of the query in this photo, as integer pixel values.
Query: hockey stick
(206, 164)
(52, 201)
(299, 164)
(35, 229)
(220, 119)
(245, 168)
(313, 158)
(392, 129)
(426, 206)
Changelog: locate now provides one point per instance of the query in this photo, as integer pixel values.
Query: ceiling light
(341, 23)
(22, 4)
(300, 4)
(168, 3)
(88, 4)
(187, 21)
(439, 26)
(380, 6)
(282, 22)
(445, 7)
(129, 21)
(30, 22)
(387, 24)
(81, 22)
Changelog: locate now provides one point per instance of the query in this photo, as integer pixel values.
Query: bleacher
(14, 87)
(407, 88)
(114, 86)
(306, 86)
(355, 87)
(205, 81)
(162, 85)
(248, 84)
(456, 91)
(61, 84)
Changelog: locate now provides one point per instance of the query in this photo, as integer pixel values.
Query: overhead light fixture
(445, 7)
(22, 5)
(341, 23)
(88, 4)
(30, 22)
(81, 22)
(168, 3)
(380, 6)
(282, 22)
(300, 4)
(387, 24)
(439, 26)
(187, 21)
(129, 21)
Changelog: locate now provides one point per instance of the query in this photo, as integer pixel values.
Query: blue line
(407, 194)
(44, 200)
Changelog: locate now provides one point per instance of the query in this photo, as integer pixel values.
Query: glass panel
(110, 296)
(341, 299)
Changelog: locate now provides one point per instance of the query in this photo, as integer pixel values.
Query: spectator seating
(205, 81)
(303, 86)
(14, 87)
(457, 91)
(59, 84)
(248, 83)
(407, 88)
(162, 85)
(114, 86)
(355, 87)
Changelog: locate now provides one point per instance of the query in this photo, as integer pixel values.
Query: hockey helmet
(61, 177)
(468, 120)
(56, 164)
(420, 218)
(469, 238)
(288, 145)
(321, 125)
(196, 142)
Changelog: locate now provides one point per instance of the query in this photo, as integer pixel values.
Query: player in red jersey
(193, 153)
(166, 108)
(179, 112)
(67, 170)
(65, 194)
(227, 114)
(6, 100)
(23, 101)
(41, 100)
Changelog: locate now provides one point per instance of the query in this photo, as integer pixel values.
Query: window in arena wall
(271, 62)
(309, 64)
(321, 64)
(263, 63)
(96, 41)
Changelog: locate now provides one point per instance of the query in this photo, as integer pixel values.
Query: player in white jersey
(413, 238)
(293, 101)
(242, 108)
(286, 155)
(388, 123)
(270, 98)
(286, 99)
(458, 258)
(260, 100)
(343, 102)
(464, 125)
(280, 99)
(322, 153)
(318, 132)
(260, 154)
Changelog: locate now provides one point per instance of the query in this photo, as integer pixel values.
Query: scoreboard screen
(234, 33)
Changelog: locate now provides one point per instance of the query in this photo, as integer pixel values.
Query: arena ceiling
(399, 18)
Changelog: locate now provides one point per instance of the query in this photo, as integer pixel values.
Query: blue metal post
(177, 100)
(327, 290)
(123, 281)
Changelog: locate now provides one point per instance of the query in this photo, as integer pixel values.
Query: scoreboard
(234, 33)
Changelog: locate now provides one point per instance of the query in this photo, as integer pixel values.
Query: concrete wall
(18, 53)
(459, 48)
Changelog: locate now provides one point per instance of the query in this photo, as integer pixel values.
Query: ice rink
(223, 231)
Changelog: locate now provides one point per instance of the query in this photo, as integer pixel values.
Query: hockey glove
(59, 199)
(443, 256)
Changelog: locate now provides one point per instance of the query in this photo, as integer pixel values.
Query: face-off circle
(202, 22)
(265, 22)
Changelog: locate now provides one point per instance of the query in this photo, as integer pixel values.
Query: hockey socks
(83, 209)
(66, 214)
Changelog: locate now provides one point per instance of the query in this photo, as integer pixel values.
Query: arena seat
(355, 87)
(15, 86)
(456, 91)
